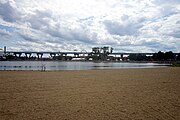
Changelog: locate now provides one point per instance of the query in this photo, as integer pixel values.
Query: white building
(1, 52)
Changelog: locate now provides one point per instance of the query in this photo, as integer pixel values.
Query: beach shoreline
(143, 93)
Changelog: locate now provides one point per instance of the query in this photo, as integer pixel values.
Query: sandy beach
(122, 94)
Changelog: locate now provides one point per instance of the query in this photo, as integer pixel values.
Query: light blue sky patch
(7, 28)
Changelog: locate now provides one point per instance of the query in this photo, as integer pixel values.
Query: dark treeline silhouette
(178, 57)
(167, 56)
(160, 56)
(139, 57)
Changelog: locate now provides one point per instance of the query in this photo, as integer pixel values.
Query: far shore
(121, 94)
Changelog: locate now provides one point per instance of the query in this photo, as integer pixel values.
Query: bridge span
(32, 55)
(66, 53)
(74, 54)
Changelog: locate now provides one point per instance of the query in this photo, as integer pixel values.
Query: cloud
(175, 34)
(171, 27)
(4, 33)
(9, 11)
(126, 27)
(130, 25)
(173, 2)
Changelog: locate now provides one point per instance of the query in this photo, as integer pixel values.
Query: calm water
(55, 65)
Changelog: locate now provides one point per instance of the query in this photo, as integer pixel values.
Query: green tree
(169, 55)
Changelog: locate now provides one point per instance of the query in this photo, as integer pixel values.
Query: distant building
(1, 52)
(4, 49)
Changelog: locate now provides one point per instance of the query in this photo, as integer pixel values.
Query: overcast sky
(65, 25)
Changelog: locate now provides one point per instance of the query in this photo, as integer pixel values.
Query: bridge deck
(29, 52)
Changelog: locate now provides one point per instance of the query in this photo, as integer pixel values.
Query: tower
(4, 49)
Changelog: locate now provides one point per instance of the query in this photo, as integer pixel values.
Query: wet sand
(124, 94)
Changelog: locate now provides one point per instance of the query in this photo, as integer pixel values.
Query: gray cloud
(44, 21)
(152, 44)
(4, 33)
(9, 13)
(122, 29)
(175, 34)
(40, 20)
(168, 2)
(31, 38)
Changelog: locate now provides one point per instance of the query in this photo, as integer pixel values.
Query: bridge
(74, 54)
(66, 53)
(98, 53)
(40, 54)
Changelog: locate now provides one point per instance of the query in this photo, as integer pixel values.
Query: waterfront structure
(97, 54)
(1, 52)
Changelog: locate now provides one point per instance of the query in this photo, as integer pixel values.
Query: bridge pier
(76, 55)
(27, 55)
(17, 54)
(122, 57)
(64, 54)
(39, 55)
(52, 54)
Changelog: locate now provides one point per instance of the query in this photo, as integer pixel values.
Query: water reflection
(55, 65)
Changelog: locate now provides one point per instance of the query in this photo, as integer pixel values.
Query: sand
(124, 94)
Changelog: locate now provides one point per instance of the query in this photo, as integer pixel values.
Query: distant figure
(43, 68)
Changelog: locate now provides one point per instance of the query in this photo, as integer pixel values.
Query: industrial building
(1, 52)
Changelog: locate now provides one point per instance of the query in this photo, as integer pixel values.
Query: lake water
(56, 65)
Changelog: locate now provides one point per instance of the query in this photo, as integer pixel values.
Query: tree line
(160, 56)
